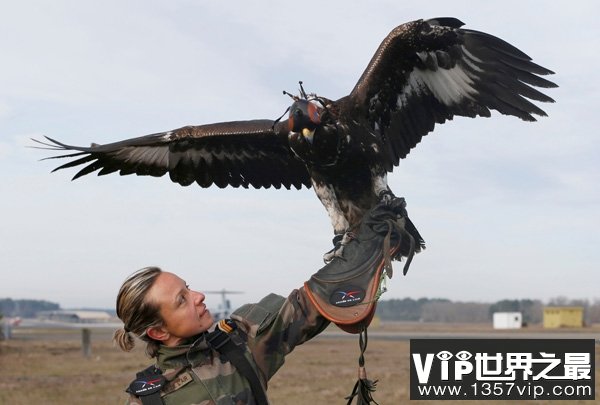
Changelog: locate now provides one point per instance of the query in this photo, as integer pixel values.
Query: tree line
(444, 310)
(25, 308)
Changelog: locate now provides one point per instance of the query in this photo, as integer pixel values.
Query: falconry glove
(346, 290)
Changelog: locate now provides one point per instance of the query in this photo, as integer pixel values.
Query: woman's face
(183, 310)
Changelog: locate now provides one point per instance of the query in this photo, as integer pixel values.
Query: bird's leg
(341, 233)
(328, 198)
(380, 188)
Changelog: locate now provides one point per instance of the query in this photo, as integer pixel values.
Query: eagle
(424, 73)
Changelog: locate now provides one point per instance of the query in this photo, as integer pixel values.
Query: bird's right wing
(427, 72)
(240, 153)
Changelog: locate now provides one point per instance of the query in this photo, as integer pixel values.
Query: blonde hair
(136, 313)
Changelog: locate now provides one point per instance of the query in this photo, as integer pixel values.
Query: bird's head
(305, 117)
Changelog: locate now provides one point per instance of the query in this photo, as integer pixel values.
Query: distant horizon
(112, 310)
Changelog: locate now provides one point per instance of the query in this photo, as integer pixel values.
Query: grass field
(46, 366)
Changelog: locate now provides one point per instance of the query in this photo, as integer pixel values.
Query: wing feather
(236, 154)
(426, 72)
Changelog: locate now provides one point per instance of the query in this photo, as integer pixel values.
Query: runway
(397, 331)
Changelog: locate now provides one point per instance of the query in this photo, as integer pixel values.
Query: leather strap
(220, 340)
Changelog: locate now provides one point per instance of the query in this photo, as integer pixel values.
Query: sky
(508, 209)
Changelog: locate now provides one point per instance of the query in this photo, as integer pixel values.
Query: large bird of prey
(424, 73)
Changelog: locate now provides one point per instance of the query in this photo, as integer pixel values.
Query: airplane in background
(223, 310)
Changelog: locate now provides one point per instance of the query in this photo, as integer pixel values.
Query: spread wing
(426, 72)
(243, 153)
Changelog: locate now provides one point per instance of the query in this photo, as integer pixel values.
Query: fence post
(86, 342)
(7, 330)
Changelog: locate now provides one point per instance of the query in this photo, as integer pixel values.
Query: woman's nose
(199, 298)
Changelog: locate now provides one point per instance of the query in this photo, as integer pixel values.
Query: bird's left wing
(426, 72)
(240, 153)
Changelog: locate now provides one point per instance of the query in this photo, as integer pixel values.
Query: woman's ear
(158, 333)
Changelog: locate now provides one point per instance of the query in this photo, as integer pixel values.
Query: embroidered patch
(147, 385)
(178, 382)
(347, 296)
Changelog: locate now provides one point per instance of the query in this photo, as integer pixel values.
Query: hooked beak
(308, 135)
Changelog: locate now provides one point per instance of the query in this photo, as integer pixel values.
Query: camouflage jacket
(268, 330)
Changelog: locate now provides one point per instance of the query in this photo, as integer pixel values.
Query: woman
(159, 308)
(198, 362)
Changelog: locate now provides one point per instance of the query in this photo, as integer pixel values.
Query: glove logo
(347, 296)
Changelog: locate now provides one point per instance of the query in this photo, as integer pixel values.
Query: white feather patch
(449, 86)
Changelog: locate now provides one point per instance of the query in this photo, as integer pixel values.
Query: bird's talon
(329, 256)
(386, 197)
(339, 241)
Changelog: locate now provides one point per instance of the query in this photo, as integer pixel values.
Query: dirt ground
(42, 366)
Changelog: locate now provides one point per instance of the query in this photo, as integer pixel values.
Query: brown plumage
(422, 74)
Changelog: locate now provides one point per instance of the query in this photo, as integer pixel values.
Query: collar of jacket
(195, 352)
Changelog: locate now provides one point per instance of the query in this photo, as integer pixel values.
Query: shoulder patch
(146, 385)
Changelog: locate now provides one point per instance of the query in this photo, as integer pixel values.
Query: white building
(75, 316)
(508, 320)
